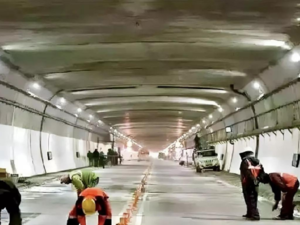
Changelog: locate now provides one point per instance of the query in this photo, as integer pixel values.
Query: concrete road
(50, 204)
(177, 195)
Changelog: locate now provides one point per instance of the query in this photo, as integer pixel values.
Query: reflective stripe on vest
(254, 169)
(288, 179)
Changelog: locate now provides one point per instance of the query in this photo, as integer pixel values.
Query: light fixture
(295, 57)
(57, 106)
(91, 116)
(237, 109)
(234, 100)
(211, 130)
(36, 85)
(76, 115)
(198, 125)
(220, 109)
(193, 128)
(210, 116)
(89, 121)
(179, 112)
(228, 129)
(129, 143)
(99, 121)
(256, 85)
(111, 128)
(79, 110)
(298, 19)
(190, 131)
(203, 121)
(62, 100)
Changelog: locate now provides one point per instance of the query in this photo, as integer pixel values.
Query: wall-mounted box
(296, 158)
(49, 155)
(77, 154)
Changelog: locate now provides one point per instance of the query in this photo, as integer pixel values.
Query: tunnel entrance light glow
(295, 57)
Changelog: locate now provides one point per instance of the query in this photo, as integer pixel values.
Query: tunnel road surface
(50, 204)
(177, 195)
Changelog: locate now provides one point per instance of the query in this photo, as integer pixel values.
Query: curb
(132, 207)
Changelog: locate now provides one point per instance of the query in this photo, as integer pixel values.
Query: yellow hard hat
(88, 206)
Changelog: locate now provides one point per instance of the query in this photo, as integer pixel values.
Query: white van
(207, 159)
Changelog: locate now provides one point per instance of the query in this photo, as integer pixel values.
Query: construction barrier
(132, 207)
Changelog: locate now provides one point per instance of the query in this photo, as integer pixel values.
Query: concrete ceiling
(150, 68)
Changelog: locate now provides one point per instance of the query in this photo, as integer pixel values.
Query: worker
(10, 199)
(250, 168)
(288, 184)
(81, 179)
(90, 201)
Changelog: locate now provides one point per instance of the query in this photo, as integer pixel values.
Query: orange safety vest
(289, 179)
(94, 193)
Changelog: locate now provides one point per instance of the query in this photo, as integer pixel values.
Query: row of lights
(62, 101)
(130, 142)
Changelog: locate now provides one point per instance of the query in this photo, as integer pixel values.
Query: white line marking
(139, 216)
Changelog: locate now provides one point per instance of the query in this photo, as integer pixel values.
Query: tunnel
(148, 84)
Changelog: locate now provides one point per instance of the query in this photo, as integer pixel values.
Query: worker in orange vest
(90, 201)
(288, 184)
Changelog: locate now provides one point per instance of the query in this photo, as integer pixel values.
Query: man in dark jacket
(288, 184)
(10, 199)
(250, 167)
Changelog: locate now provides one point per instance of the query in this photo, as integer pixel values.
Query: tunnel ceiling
(150, 68)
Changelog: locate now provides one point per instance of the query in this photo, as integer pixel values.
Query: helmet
(88, 206)
(248, 149)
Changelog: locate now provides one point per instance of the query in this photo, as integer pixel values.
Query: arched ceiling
(149, 68)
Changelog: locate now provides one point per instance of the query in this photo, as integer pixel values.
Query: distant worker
(288, 184)
(81, 179)
(90, 201)
(250, 168)
(10, 199)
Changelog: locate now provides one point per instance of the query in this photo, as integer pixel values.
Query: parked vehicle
(206, 159)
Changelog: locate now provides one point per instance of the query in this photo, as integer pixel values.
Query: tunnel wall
(276, 103)
(28, 133)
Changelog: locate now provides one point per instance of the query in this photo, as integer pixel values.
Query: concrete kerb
(132, 207)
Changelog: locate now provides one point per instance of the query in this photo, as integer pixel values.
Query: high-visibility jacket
(102, 207)
(82, 179)
(282, 182)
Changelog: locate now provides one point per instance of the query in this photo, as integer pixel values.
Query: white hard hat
(248, 148)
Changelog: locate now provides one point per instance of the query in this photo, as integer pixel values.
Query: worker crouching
(10, 199)
(90, 201)
(81, 179)
(288, 184)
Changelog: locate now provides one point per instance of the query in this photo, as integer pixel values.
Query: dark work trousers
(12, 208)
(287, 209)
(251, 196)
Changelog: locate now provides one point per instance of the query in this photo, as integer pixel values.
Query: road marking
(139, 216)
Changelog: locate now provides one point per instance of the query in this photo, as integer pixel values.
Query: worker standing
(90, 201)
(250, 168)
(288, 184)
(10, 199)
(81, 179)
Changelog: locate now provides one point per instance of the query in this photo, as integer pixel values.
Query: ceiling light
(256, 85)
(298, 19)
(36, 85)
(211, 130)
(198, 125)
(89, 121)
(99, 121)
(210, 116)
(237, 109)
(193, 128)
(59, 107)
(91, 116)
(228, 129)
(62, 100)
(220, 109)
(295, 57)
(79, 110)
(179, 112)
(190, 131)
(234, 100)
(111, 128)
(76, 115)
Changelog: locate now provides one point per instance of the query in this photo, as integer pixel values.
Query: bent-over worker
(81, 179)
(90, 201)
(10, 199)
(288, 184)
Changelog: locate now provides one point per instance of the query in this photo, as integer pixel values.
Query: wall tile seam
(40, 100)
(34, 111)
(253, 103)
